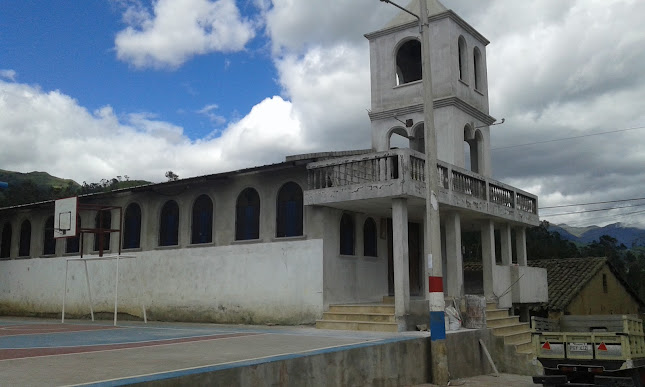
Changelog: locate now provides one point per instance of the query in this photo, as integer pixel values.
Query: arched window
(408, 62)
(169, 224)
(73, 245)
(462, 58)
(369, 238)
(102, 221)
(289, 211)
(473, 149)
(247, 215)
(132, 227)
(25, 239)
(477, 68)
(347, 235)
(202, 231)
(5, 243)
(418, 143)
(49, 243)
(398, 139)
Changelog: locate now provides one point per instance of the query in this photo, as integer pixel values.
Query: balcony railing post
(514, 199)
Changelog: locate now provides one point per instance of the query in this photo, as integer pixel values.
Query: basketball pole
(435, 298)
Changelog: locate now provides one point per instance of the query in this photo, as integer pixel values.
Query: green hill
(33, 187)
(39, 179)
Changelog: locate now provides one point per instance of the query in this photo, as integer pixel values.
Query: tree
(172, 176)
(544, 244)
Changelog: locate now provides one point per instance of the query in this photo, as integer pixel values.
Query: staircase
(375, 317)
(515, 333)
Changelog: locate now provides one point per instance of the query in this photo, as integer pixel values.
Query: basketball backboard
(65, 211)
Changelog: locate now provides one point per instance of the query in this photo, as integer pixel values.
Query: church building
(285, 243)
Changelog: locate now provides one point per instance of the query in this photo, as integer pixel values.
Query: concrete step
(389, 300)
(524, 347)
(373, 317)
(491, 306)
(518, 337)
(357, 325)
(496, 313)
(362, 308)
(507, 329)
(501, 321)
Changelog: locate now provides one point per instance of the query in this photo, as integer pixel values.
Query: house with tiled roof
(576, 286)
(583, 286)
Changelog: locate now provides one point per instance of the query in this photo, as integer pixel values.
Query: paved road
(507, 380)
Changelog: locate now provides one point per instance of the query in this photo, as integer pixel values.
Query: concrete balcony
(368, 182)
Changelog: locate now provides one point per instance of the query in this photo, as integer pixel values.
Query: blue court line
(101, 337)
(243, 363)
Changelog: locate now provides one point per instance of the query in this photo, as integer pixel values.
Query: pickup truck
(607, 350)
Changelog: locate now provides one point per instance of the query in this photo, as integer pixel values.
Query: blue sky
(70, 46)
(95, 89)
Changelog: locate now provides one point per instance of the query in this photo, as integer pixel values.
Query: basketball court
(40, 352)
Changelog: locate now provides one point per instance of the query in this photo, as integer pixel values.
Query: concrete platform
(39, 352)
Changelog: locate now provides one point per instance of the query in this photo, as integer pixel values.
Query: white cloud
(50, 130)
(329, 89)
(176, 30)
(297, 25)
(8, 74)
(214, 118)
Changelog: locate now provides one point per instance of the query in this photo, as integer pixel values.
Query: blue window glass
(202, 231)
(247, 218)
(25, 239)
(5, 243)
(132, 227)
(346, 235)
(102, 221)
(289, 211)
(169, 224)
(73, 244)
(369, 238)
(49, 243)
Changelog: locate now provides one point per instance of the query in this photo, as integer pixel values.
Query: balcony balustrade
(408, 166)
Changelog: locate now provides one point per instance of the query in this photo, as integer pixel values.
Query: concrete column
(488, 257)
(426, 252)
(454, 264)
(507, 251)
(520, 245)
(401, 260)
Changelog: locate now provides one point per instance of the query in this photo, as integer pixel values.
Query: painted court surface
(38, 352)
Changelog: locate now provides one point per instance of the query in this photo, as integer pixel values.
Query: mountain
(41, 180)
(564, 232)
(41, 186)
(629, 236)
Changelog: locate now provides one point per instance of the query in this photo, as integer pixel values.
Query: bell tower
(459, 83)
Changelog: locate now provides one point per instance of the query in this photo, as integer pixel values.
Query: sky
(97, 89)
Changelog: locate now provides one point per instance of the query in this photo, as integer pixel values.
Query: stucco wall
(247, 283)
(593, 300)
(353, 278)
(530, 284)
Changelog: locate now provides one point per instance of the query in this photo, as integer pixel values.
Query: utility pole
(438, 350)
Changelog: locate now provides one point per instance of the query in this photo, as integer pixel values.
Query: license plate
(579, 347)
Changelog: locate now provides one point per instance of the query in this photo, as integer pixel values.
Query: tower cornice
(437, 103)
(414, 24)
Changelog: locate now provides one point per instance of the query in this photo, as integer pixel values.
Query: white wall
(244, 283)
(353, 278)
(530, 284)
